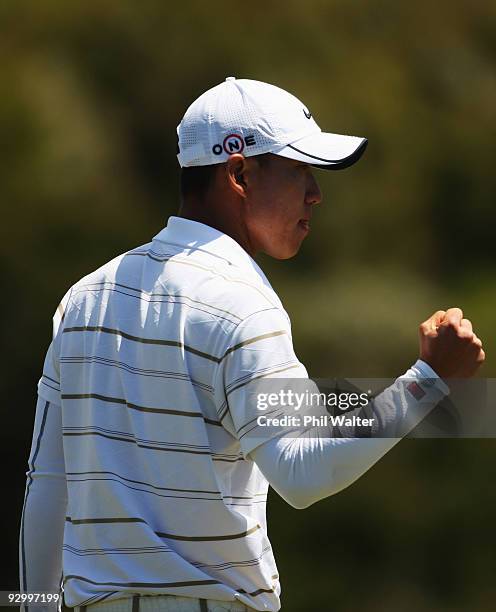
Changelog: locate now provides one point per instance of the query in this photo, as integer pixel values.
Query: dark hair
(195, 180)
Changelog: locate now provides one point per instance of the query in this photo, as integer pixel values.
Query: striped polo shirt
(150, 364)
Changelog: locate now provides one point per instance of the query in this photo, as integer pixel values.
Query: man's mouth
(304, 223)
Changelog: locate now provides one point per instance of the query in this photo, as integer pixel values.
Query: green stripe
(169, 536)
(297, 365)
(169, 295)
(143, 584)
(233, 536)
(119, 400)
(174, 343)
(281, 332)
(255, 593)
(117, 332)
(104, 520)
(133, 441)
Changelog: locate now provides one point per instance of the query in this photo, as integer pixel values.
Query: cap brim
(326, 151)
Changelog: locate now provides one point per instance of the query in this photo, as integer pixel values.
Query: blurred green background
(90, 96)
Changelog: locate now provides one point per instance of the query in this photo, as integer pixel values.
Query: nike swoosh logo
(307, 113)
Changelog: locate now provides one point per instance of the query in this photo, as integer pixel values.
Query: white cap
(252, 118)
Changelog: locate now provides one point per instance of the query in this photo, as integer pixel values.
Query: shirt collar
(195, 236)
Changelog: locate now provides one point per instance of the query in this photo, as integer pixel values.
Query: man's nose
(313, 194)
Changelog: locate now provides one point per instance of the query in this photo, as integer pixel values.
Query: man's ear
(236, 168)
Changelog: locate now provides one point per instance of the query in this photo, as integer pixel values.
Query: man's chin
(281, 254)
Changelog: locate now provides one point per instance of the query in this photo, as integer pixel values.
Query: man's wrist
(425, 371)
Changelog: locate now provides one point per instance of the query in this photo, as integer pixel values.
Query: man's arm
(311, 465)
(43, 516)
(308, 467)
(304, 466)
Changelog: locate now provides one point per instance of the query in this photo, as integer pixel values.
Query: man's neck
(208, 215)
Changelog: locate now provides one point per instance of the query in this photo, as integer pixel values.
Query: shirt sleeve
(43, 515)
(260, 348)
(45, 500)
(49, 383)
(308, 467)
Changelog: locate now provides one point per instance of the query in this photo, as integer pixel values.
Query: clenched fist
(448, 344)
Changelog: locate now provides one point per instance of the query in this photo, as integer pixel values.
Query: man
(148, 473)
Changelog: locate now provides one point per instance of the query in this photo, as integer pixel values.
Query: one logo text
(233, 143)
